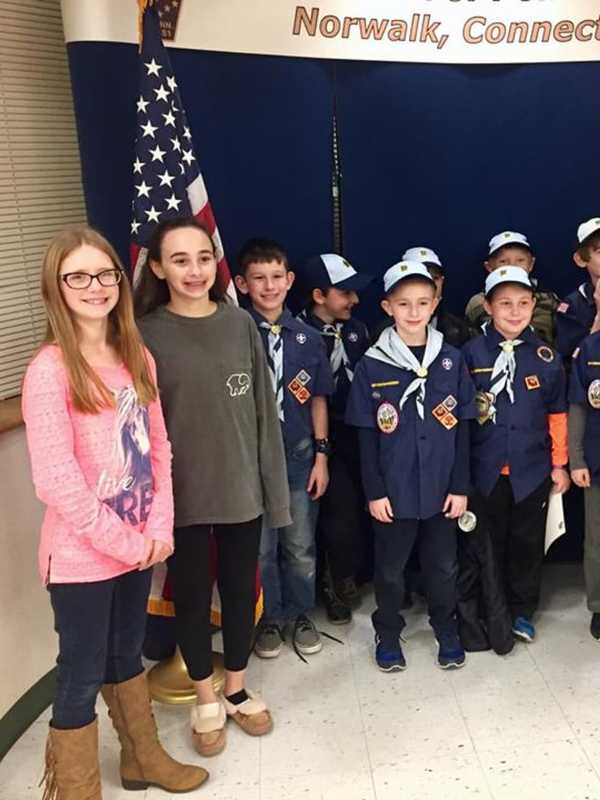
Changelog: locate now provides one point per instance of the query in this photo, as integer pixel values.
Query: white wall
(27, 639)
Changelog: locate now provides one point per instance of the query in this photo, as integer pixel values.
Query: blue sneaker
(523, 629)
(450, 651)
(389, 655)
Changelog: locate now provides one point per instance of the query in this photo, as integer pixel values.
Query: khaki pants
(591, 550)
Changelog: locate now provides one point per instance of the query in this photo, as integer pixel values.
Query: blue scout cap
(329, 269)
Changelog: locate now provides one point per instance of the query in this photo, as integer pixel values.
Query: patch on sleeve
(562, 308)
(532, 382)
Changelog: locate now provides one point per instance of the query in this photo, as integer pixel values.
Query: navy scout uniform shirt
(416, 457)
(520, 436)
(355, 337)
(306, 374)
(584, 389)
(574, 318)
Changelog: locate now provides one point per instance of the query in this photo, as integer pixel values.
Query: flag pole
(336, 175)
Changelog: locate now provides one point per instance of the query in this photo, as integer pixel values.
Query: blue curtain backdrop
(432, 154)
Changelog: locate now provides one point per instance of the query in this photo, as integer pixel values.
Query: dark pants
(518, 531)
(435, 539)
(344, 533)
(100, 628)
(237, 558)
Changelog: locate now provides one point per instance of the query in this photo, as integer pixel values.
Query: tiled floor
(522, 727)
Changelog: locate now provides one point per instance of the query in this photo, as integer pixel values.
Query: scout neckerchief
(503, 373)
(275, 361)
(338, 358)
(391, 349)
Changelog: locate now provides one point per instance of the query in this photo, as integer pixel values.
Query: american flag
(167, 179)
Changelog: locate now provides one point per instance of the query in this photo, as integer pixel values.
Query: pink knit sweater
(105, 478)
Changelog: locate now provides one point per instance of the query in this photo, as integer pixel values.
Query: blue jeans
(101, 627)
(288, 562)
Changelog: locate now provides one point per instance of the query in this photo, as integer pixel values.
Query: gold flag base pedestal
(170, 683)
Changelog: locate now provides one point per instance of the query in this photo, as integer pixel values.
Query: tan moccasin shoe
(252, 715)
(208, 728)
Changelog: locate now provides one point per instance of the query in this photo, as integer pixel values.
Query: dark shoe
(523, 629)
(347, 592)
(268, 641)
(305, 637)
(451, 654)
(389, 655)
(595, 626)
(337, 612)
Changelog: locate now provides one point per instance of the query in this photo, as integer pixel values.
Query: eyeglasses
(83, 280)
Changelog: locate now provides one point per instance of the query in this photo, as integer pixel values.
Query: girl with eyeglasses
(101, 463)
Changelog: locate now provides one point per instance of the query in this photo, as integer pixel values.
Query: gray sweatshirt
(219, 407)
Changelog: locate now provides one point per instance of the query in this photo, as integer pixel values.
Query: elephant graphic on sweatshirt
(238, 384)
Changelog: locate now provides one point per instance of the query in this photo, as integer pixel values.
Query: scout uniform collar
(392, 350)
(285, 320)
(493, 338)
(586, 290)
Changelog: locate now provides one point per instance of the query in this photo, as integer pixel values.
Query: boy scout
(410, 399)
(519, 441)
(579, 314)
(512, 248)
(455, 330)
(343, 529)
(302, 381)
(584, 459)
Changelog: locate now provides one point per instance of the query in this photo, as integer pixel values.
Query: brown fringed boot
(72, 771)
(144, 763)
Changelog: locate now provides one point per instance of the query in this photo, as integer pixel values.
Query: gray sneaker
(305, 637)
(268, 641)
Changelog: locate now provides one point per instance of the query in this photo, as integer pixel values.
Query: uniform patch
(450, 402)
(484, 402)
(353, 336)
(387, 417)
(594, 393)
(562, 308)
(303, 377)
(299, 391)
(546, 354)
(376, 395)
(444, 415)
(301, 338)
(532, 382)
(447, 363)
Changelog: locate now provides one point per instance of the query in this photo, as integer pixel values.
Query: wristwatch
(323, 446)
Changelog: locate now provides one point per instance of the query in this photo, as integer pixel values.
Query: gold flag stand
(170, 683)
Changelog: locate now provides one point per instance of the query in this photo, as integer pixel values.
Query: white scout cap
(402, 270)
(587, 228)
(507, 275)
(507, 237)
(423, 254)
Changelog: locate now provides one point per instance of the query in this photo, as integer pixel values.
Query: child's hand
(156, 551)
(581, 478)
(318, 478)
(381, 509)
(455, 506)
(560, 479)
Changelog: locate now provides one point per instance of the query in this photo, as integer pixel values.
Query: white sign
(435, 31)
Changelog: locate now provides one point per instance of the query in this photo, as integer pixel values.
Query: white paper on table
(555, 521)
